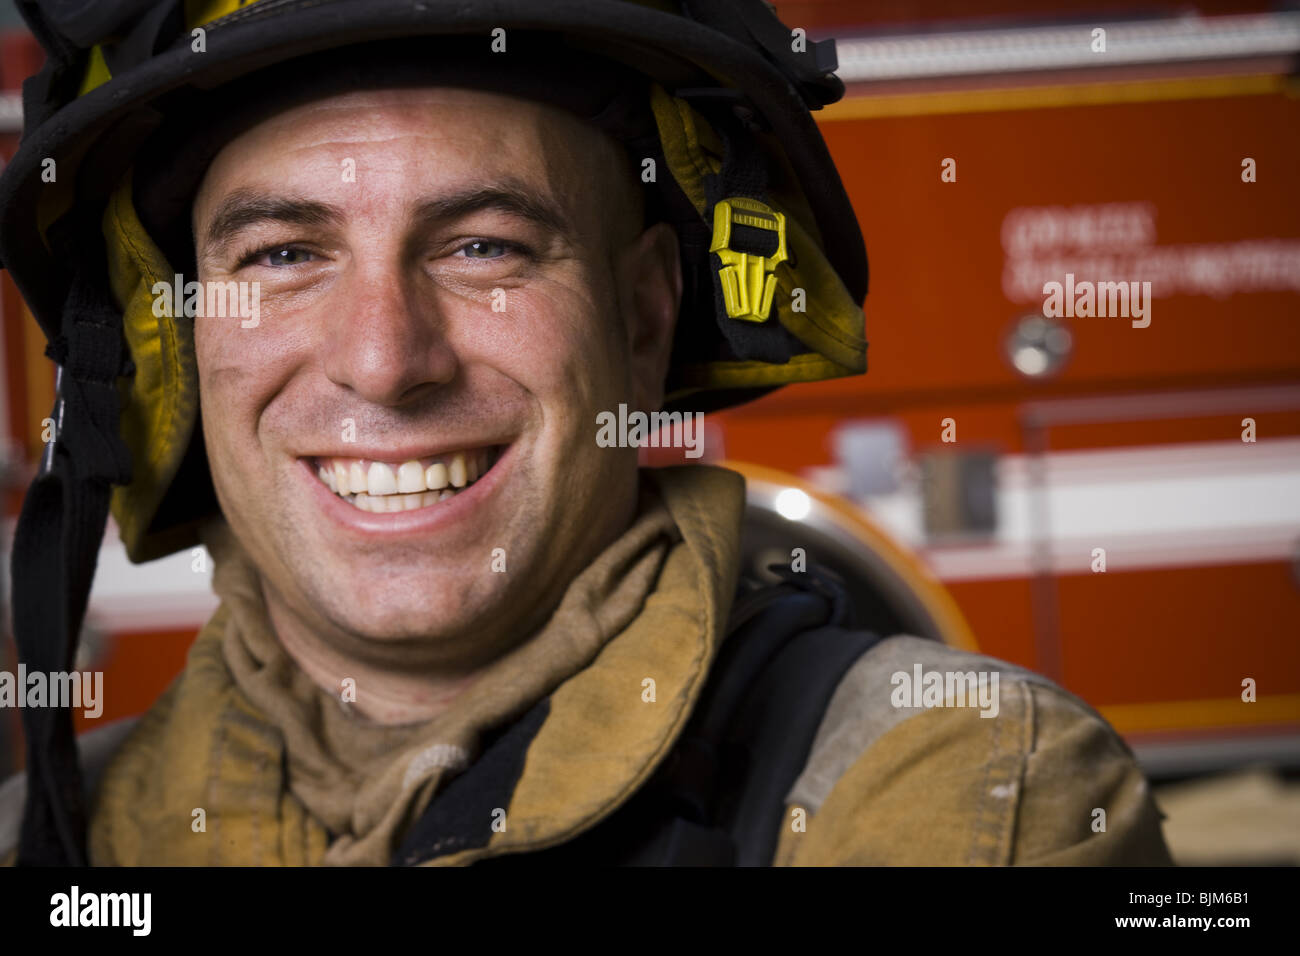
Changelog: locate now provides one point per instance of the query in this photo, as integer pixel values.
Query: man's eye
(276, 256)
(287, 256)
(485, 249)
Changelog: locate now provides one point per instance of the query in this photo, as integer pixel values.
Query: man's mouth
(389, 486)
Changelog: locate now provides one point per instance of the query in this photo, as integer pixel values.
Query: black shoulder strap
(754, 727)
(56, 544)
(719, 797)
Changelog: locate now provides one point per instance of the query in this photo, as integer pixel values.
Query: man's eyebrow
(244, 208)
(507, 197)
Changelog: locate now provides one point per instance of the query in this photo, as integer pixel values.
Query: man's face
(452, 283)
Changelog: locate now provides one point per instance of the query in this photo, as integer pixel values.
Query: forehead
(420, 135)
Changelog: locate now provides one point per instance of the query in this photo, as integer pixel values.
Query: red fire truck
(1105, 488)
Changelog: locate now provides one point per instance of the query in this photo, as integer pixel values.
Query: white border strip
(11, 112)
(958, 53)
(160, 595)
(1185, 505)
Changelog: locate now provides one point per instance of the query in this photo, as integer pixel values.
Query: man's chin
(449, 616)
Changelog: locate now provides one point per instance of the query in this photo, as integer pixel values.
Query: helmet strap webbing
(58, 537)
(744, 174)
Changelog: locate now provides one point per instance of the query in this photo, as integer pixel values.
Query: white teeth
(382, 488)
(356, 479)
(392, 503)
(410, 477)
(380, 480)
(435, 476)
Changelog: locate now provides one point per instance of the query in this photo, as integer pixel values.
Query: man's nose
(386, 340)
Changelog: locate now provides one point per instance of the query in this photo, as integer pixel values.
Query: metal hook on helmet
(56, 416)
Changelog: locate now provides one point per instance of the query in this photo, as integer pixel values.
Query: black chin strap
(57, 541)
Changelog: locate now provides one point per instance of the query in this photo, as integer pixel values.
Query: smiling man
(419, 537)
(454, 626)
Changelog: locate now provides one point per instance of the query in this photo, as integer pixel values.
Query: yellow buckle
(747, 280)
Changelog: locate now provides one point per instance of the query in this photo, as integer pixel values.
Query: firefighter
(342, 291)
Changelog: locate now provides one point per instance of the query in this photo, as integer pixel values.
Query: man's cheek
(554, 313)
(561, 365)
(227, 479)
(221, 353)
(240, 368)
(583, 359)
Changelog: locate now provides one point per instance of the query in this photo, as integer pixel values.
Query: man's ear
(650, 270)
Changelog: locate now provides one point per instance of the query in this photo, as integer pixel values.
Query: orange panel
(138, 668)
(1000, 615)
(937, 313)
(1180, 634)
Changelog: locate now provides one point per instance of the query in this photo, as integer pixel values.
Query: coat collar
(582, 752)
